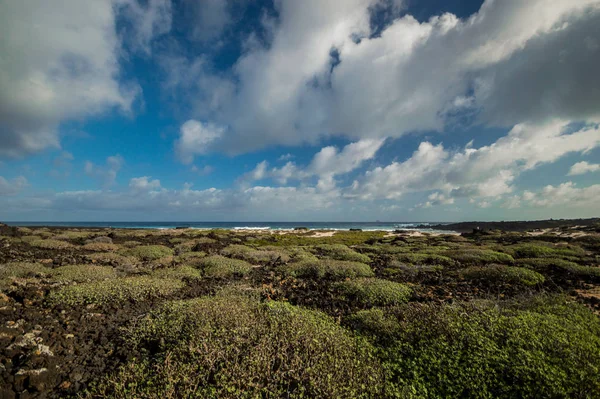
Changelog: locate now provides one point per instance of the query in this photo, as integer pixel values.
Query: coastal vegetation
(243, 314)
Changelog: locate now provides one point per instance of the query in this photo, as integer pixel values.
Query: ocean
(367, 226)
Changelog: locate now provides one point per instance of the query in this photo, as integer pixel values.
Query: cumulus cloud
(581, 168)
(13, 186)
(61, 62)
(106, 174)
(326, 164)
(146, 21)
(144, 184)
(195, 138)
(488, 171)
(565, 195)
(322, 73)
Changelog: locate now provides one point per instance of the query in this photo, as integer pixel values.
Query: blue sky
(206, 110)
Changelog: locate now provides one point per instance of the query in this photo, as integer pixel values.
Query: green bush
(340, 252)
(50, 244)
(547, 347)
(544, 250)
(220, 266)
(327, 268)
(417, 258)
(101, 247)
(374, 291)
(395, 268)
(29, 239)
(82, 273)
(133, 289)
(23, 269)
(479, 257)
(178, 273)
(236, 347)
(561, 265)
(493, 274)
(255, 256)
(150, 252)
(111, 258)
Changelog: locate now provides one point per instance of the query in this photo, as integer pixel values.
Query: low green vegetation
(236, 347)
(128, 289)
(479, 257)
(101, 247)
(327, 268)
(374, 291)
(150, 252)
(541, 347)
(255, 256)
(23, 269)
(50, 244)
(545, 264)
(498, 274)
(340, 252)
(220, 266)
(544, 250)
(417, 258)
(178, 273)
(82, 273)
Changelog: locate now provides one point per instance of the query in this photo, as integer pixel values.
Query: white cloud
(583, 167)
(413, 77)
(144, 184)
(105, 174)
(60, 61)
(148, 20)
(488, 171)
(566, 195)
(326, 164)
(13, 186)
(195, 138)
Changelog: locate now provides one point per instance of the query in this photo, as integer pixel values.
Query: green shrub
(190, 258)
(178, 273)
(101, 247)
(220, 266)
(544, 250)
(111, 258)
(133, 289)
(560, 264)
(50, 244)
(327, 268)
(492, 274)
(394, 267)
(237, 347)
(374, 291)
(23, 269)
(479, 257)
(417, 258)
(255, 256)
(547, 347)
(340, 252)
(29, 239)
(82, 273)
(150, 252)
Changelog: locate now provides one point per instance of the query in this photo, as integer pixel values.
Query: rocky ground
(70, 297)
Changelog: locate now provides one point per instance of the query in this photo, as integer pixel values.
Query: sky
(286, 110)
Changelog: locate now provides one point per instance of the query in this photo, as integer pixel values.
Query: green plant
(23, 269)
(82, 273)
(150, 252)
(493, 274)
(417, 258)
(479, 256)
(340, 252)
(374, 291)
(560, 265)
(50, 244)
(178, 273)
(534, 347)
(101, 247)
(255, 256)
(333, 269)
(232, 346)
(544, 250)
(220, 266)
(133, 289)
